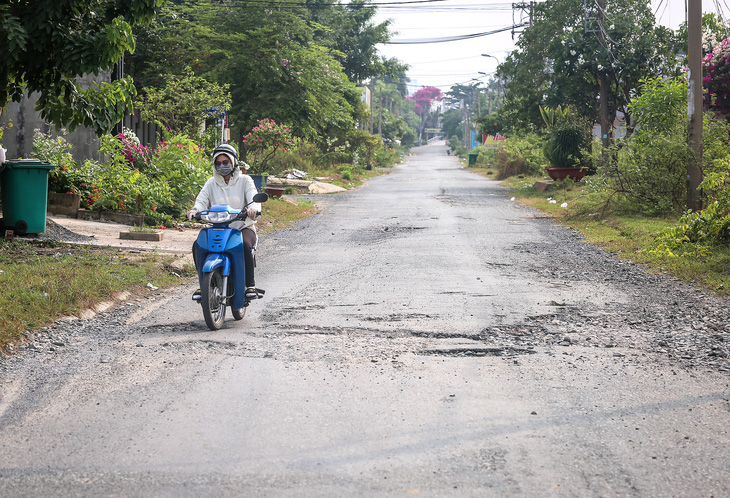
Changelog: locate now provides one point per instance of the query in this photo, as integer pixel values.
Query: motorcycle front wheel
(238, 314)
(213, 299)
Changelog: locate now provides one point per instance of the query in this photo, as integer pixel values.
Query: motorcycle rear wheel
(213, 299)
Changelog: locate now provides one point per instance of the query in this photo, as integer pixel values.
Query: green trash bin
(473, 158)
(24, 184)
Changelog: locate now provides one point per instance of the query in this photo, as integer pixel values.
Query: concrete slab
(542, 185)
(101, 233)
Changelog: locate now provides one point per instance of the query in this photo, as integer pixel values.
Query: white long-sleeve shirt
(238, 192)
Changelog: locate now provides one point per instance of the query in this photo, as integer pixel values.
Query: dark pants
(249, 241)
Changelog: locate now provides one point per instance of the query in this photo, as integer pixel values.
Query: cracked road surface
(422, 335)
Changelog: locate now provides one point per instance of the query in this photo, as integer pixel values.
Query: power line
(450, 38)
(408, 5)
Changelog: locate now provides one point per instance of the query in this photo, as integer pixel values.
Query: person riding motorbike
(229, 185)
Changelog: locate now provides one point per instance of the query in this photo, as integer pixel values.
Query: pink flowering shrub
(264, 140)
(716, 80)
(136, 154)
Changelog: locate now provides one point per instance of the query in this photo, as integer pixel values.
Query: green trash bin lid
(27, 163)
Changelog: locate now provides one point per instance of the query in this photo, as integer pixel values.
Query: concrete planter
(64, 204)
(576, 174)
(277, 191)
(123, 218)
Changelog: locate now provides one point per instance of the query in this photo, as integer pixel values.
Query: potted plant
(261, 144)
(568, 138)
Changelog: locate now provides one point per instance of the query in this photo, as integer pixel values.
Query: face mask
(224, 169)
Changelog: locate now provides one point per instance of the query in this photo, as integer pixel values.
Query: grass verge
(279, 214)
(42, 281)
(611, 224)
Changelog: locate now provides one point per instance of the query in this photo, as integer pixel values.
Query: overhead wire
(449, 38)
(720, 12)
(414, 6)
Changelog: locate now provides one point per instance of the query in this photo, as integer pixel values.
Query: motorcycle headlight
(218, 216)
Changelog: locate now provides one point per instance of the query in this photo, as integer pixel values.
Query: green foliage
(660, 106)
(185, 168)
(650, 166)
(557, 62)
(161, 186)
(451, 125)
(347, 29)
(487, 155)
(67, 177)
(698, 231)
(386, 157)
(183, 103)
(50, 45)
(554, 115)
(490, 125)
(123, 187)
(457, 147)
(521, 155)
(296, 65)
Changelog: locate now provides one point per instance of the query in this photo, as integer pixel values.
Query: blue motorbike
(218, 253)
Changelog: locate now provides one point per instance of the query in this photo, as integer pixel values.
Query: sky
(445, 63)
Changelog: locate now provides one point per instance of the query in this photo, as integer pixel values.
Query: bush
(652, 173)
(486, 155)
(521, 155)
(650, 166)
(708, 227)
(568, 137)
(184, 167)
(67, 177)
(386, 157)
(263, 141)
(161, 184)
(456, 146)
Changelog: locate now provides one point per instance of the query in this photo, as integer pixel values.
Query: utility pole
(694, 103)
(464, 121)
(380, 112)
(603, 82)
(372, 103)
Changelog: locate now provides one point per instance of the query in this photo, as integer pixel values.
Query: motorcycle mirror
(261, 197)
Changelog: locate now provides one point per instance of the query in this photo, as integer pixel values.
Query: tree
(47, 46)
(261, 143)
(423, 99)
(558, 62)
(348, 30)
(270, 59)
(183, 103)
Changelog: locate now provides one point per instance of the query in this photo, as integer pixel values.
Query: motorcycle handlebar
(241, 216)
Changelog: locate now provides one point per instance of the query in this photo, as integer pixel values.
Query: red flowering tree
(260, 145)
(423, 100)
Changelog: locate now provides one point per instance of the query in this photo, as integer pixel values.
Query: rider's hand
(252, 213)
(192, 213)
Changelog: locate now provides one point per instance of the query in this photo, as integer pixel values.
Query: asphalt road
(422, 335)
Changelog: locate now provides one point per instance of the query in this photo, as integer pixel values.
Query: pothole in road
(478, 352)
(381, 233)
